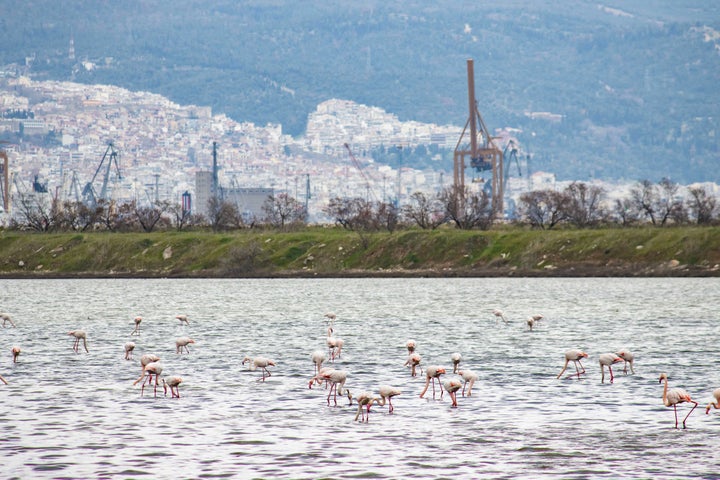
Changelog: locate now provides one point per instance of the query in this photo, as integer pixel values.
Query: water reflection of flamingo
(673, 397)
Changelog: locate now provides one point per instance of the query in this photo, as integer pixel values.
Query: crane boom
(360, 169)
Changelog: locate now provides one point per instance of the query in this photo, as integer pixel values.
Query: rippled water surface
(68, 415)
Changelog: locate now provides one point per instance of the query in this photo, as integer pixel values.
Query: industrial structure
(90, 195)
(249, 201)
(480, 148)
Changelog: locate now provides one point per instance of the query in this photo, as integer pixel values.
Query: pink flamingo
(499, 314)
(129, 347)
(363, 399)
(410, 345)
(137, 320)
(673, 397)
(6, 318)
(716, 394)
(334, 344)
(456, 358)
(608, 360)
(431, 373)
(174, 384)
(574, 356)
(183, 319)
(336, 379)
(15, 353)
(469, 377)
(320, 376)
(259, 362)
(181, 343)
(629, 359)
(152, 368)
(452, 385)
(533, 319)
(3, 380)
(318, 357)
(413, 361)
(386, 394)
(79, 335)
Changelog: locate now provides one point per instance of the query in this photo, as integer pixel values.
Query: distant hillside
(634, 83)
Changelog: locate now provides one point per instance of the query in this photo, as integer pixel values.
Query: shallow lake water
(78, 415)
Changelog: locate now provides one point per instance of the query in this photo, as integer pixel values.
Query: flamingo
(629, 358)
(410, 346)
(574, 356)
(6, 318)
(499, 314)
(152, 368)
(470, 378)
(533, 319)
(3, 380)
(129, 347)
(318, 357)
(174, 384)
(183, 319)
(431, 373)
(455, 358)
(181, 343)
(79, 335)
(607, 360)
(320, 376)
(137, 320)
(331, 317)
(452, 385)
(675, 396)
(336, 379)
(334, 345)
(148, 358)
(15, 353)
(412, 362)
(387, 393)
(363, 399)
(716, 394)
(259, 362)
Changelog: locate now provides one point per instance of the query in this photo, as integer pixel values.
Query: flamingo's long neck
(665, 400)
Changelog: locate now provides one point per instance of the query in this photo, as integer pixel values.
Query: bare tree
(283, 210)
(148, 216)
(467, 209)
(351, 213)
(659, 202)
(387, 216)
(625, 212)
(222, 215)
(37, 213)
(583, 208)
(425, 212)
(543, 208)
(702, 205)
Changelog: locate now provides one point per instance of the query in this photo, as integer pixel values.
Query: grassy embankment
(336, 252)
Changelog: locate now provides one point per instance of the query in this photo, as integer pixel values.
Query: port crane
(481, 148)
(362, 172)
(90, 196)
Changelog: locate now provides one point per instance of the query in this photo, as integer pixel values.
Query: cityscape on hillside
(162, 148)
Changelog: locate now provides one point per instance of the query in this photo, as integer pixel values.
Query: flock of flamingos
(334, 379)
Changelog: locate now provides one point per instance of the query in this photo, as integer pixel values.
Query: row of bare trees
(33, 212)
(579, 205)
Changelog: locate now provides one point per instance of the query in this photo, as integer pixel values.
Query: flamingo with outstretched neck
(261, 363)
(608, 360)
(574, 356)
(431, 373)
(79, 335)
(673, 397)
